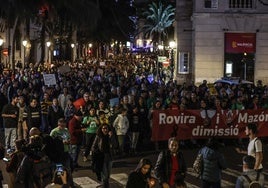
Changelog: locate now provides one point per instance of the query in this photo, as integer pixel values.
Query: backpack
(261, 143)
(42, 173)
(254, 183)
(198, 164)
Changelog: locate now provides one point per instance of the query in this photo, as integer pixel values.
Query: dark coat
(214, 162)
(101, 151)
(54, 116)
(163, 167)
(137, 179)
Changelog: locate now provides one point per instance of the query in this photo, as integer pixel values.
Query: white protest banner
(49, 79)
(102, 63)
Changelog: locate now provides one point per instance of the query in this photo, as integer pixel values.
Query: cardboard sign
(102, 63)
(114, 102)
(49, 79)
(64, 69)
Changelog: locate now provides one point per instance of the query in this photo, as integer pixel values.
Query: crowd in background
(118, 94)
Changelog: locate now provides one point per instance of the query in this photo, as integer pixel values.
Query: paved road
(121, 168)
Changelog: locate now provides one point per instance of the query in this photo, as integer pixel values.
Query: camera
(59, 169)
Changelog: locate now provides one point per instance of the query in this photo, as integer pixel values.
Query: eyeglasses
(104, 128)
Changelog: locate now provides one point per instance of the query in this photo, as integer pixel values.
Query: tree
(15, 12)
(158, 18)
(64, 18)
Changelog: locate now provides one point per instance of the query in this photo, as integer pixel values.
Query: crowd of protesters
(119, 94)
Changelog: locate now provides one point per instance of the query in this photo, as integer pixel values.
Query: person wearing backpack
(213, 163)
(250, 178)
(35, 170)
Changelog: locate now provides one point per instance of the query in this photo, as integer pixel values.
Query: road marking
(191, 185)
(224, 182)
(232, 172)
(121, 178)
(85, 182)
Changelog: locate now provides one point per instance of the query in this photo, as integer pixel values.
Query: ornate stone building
(221, 38)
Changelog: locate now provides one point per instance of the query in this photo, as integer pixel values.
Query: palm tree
(158, 18)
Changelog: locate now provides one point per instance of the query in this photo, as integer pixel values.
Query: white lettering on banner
(181, 119)
(245, 118)
(203, 131)
(244, 44)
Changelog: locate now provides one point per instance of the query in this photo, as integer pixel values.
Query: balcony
(241, 4)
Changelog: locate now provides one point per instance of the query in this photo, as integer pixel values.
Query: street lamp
(72, 45)
(1, 43)
(90, 51)
(48, 50)
(24, 43)
(160, 49)
(172, 45)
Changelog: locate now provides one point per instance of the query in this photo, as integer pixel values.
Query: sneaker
(85, 159)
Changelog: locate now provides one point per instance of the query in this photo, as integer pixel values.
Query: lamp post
(90, 51)
(24, 43)
(1, 43)
(48, 50)
(172, 45)
(160, 49)
(72, 46)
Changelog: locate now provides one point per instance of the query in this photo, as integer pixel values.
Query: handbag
(198, 164)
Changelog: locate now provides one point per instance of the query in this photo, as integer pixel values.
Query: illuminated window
(183, 67)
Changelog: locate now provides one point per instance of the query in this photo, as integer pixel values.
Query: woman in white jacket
(121, 125)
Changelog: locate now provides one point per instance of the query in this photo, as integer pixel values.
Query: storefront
(239, 56)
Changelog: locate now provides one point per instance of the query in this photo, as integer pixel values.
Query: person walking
(91, 122)
(22, 134)
(249, 174)
(76, 133)
(14, 163)
(213, 163)
(254, 147)
(101, 154)
(32, 115)
(55, 112)
(10, 116)
(141, 176)
(121, 125)
(170, 166)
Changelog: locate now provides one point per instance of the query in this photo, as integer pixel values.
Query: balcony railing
(241, 4)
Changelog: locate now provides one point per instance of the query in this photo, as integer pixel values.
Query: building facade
(221, 38)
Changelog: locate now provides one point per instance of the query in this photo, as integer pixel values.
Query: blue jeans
(74, 153)
(106, 170)
(45, 125)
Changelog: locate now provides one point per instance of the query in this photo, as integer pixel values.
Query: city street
(122, 167)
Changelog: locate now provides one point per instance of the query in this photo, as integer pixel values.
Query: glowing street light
(24, 43)
(48, 49)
